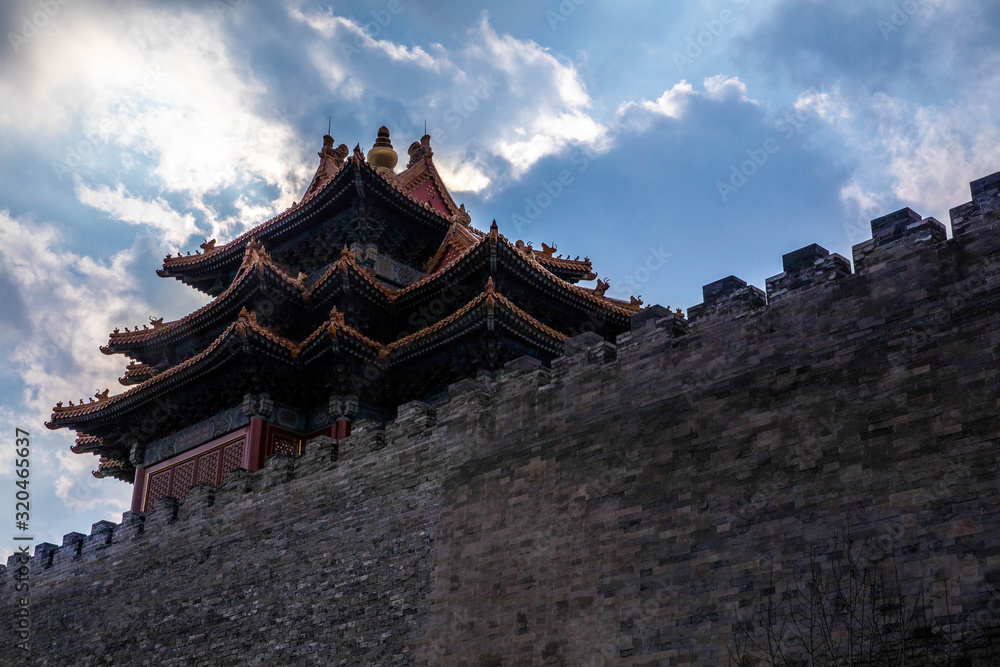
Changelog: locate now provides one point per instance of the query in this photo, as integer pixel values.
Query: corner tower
(372, 291)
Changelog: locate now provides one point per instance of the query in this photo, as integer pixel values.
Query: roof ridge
(240, 326)
(253, 258)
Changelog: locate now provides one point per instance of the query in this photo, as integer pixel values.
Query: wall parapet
(626, 498)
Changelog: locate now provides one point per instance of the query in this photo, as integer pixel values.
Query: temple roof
(421, 181)
(456, 255)
(373, 269)
(487, 309)
(434, 207)
(257, 269)
(136, 373)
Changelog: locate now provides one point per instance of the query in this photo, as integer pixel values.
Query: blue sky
(132, 129)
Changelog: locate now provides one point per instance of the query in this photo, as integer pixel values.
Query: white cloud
(671, 104)
(939, 153)
(71, 303)
(173, 227)
(721, 88)
(674, 101)
(354, 37)
(925, 154)
(463, 177)
(526, 101)
(829, 106)
(161, 92)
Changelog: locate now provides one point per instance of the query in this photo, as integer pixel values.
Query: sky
(672, 143)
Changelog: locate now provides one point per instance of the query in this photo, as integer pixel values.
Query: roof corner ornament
(602, 287)
(156, 322)
(208, 245)
(463, 216)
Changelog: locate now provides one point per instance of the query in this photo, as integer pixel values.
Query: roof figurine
(339, 296)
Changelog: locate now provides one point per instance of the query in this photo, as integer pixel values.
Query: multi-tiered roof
(375, 285)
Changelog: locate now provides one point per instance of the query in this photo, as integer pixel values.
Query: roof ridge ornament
(419, 150)
(382, 155)
(463, 216)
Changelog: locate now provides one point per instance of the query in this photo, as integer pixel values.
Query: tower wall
(620, 507)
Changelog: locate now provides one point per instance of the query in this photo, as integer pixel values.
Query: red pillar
(252, 459)
(138, 489)
(342, 429)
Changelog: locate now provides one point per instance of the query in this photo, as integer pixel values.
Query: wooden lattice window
(232, 457)
(208, 467)
(183, 479)
(159, 487)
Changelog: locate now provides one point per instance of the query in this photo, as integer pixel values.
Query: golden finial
(381, 154)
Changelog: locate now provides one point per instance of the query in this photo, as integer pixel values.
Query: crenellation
(321, 454)
(101, 535)
(44, 553)
(164, 513)
(411, 419)
(631, 505)
(71, 549)
(980, 214)
(130, 528)
(804, 268)
(674, 324)
(367, 435)
(647, 316)
(279, 469)
(898, 239)
(468, 390)
(727, 297)
(894, 224)
(523, 374)
(986, 188)
(198, 503)
(582, 350)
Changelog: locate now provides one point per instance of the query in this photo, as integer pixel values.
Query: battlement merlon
(976, 214)
(810, 266)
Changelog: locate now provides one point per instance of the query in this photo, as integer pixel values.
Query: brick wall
(616, 508)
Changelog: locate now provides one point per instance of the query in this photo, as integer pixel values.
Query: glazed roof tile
(245, 327)
(355, 164)
(257, 264)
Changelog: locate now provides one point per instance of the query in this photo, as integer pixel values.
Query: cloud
(909, 91)
(829, 106)
(172, 226)
(721, 88)
(354, 37)
(934, 158)
(71, 302)
(463, 177)
(675, 101)
(523, 101)
(146, 91)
